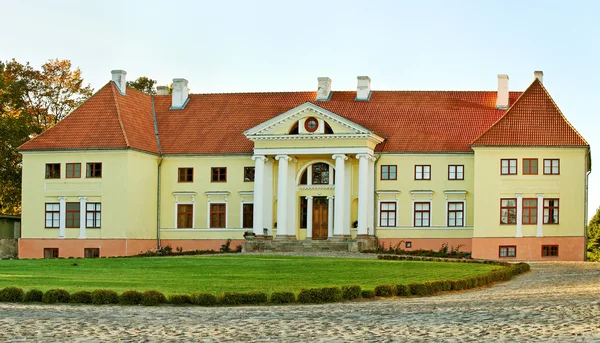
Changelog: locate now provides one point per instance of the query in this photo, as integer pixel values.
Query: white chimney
(180, 94)
(363, 88)
(539, 75)
(502, 100)
(118, 77)
(162, 90)
(324, 90)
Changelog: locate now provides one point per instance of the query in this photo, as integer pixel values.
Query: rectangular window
(456, 214)
(52, 170)
(508, 211)
(217, 215)
(508, 167)
(93, 170)
(73, 214)
(91, 252)
(303, 212)
(93, 214)
(387, 214)
(550, 211)
(185, 175)
(219, 174)
(52, 215)
(248, 174)
(529, 211)
(50, 252)
(549, 250)
(530, 166)
(422, 172)
(408, 244)
(456, 172)
(507, 251)
(552, 166)
(185, 216)
(422, 214)
(388, 173)
(248, 213)
(73, 170)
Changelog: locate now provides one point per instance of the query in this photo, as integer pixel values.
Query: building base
(309, 245)
(530, 248)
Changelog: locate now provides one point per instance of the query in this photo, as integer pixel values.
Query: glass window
(93, 215)
(529, 211)
(422, 172)
(52, 215)
(530, 166)
(217, 215)
(456, 172)
(552, 166)
(73, 214)
(73, 170)
(50, 252)
(456, 213)
(248, 213)
(219, 174)
(508, 211)
(549, 250)
(388, 172)
(422, 214)
(185, 216)
(550, 211)
(248, 174)
(93, 170)
(508, 167)
(91, 252)
(185, 175)
(387, 214)
(320, 174)
(507, 251)
(53, 171)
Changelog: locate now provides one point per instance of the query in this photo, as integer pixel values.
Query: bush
(11, 295)
(420, 288)
(33, 295)
(104, 297)
(283, 298)
(350, 292)
(153, 298)
(180, 299)
(204, 299)
(385, 290)
(441, 286)
(130, 298)
(402, 290)
(81, 297)
(53, 296)
(368, 293)
(250, 298)
(459, 285)
(320, 295)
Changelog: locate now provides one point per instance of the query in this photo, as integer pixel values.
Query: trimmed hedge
(11, 295)
(204, 299)
(368, 293)
(350, 292)
(402, 290)
(250, 298)
(153, 298)
(283, 298)
(53, 296)
(180, 299)
(104, 297)
(81, 297)
(420, 289)
(33, 296)
(320, 295)
(130, 298)
(385, 290)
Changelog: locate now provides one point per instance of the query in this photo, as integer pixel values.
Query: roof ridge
(350, 91)
(119, 114)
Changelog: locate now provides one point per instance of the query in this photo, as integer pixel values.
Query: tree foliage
(593, 233)
(143, 84)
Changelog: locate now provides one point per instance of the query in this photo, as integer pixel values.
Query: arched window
(294, 130)
(328, 130)
(320, 174)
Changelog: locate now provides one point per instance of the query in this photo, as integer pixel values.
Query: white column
(329, 217)
(268, 197)
(259, 173)
(82, 216)
(371, 198)
(309, 217)
(347, 198)
(519, 232)
(540, 215)
(292, 200)
(282, 188)
(363, 190)
(62, 216)
(340, 182)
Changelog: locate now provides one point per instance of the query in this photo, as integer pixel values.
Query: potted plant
(249, 235)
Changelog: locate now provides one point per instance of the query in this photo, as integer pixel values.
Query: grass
(229, 273)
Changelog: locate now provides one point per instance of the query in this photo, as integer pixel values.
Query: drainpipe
(585, 201)
(378, 156)
(160, 159)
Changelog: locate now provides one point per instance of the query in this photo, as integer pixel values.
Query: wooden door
(320, 218)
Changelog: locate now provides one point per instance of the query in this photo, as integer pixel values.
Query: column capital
(363, 156)
(259, 157)
(519, 195)
(331, 197)
(309, 197)
(339, 156)
(62, 198)
(283, 157)
(82, 198)
(540, 195)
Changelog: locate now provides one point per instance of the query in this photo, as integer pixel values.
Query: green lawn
(216, 274)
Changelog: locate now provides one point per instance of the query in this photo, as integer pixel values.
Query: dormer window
(311, 124)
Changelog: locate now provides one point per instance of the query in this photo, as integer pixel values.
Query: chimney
(324, 90)
(179, 94)
(502, 100)
(162, 90)
(539, 75)
(363, 88)
(118, 77)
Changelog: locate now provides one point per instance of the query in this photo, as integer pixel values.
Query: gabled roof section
(533, 120)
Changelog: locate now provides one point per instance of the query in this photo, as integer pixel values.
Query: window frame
(95, 213)
(382, 211)
(529, 210)
(508, 211)
(53, 213)
(389, 172)
(307, 122)
(211, 212)
(544, 208)
(551, 160)
(72, 174)
(71, 223)
(249, 174)
(529, 171)
(456, 166)
(507, 247)
(90, 170)
(51, 172)
(244, 213)
(303, 212)
(96, 252)
(55, 253)
(312, 173)
(448, 211)
(415, 212)
(188, 173)
(221, 171)
(509, 160)
(189, 220)
(423, 166)
(550, 248)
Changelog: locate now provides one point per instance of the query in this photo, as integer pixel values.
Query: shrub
(368, 293)
(130, 298)
(204, 299)
(420, 288)
(56, 296)
(385, 290)
(153, 298)
(331, 294)
(440, 286)
(283, 298)
(320, 295)
(33, 295)
(402, 290)
(180, 299)
(226, 247)
(11, 295)
(250, 298)
(459, 285)
(104, 297)
(350, 292)
(81, 297)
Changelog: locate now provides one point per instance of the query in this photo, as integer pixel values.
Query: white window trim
(223, 194)
(464, 202)
(430, 213)
(379, 201)
(193, 203)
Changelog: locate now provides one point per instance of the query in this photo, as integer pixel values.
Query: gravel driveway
(555, 302)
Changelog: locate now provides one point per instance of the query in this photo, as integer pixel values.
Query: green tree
(593, 232)
(143, 84)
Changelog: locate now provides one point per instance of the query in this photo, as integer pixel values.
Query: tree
(143, 84)
(593, 232)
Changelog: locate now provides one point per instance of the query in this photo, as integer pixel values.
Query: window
(508, 167)
(219, 174)
(185, 216)
(529, 211)
(73, 170)
(73, 214)
(303, 212)
(408, 244)
(217, 215)
(507, 251)
(93, 214)
(508, 211)
(93, 170)
(387, 214)
(422, 214)
(320, 174)
(422, 172)
(456, 214)
(552, 167)
(549, 250)
(52, 170)
(248, 174)
(550, 211)
(185, 175)
(311, 124)
(52, 215)
(388, 172)
(91, 252)
(456, 172)
(530, 166)
(248, 216)
(50, 252)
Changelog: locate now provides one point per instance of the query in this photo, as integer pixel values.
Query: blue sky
(234, 46)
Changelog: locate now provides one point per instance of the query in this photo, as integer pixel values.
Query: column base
(366, 242)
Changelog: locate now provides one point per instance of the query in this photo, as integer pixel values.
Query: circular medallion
(311, 124)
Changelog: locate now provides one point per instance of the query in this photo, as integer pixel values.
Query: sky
(250, 46)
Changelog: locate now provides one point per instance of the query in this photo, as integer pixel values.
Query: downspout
(160, 159)
(585, 200)
(378, 156)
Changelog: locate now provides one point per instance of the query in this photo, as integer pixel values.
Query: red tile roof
(533, 120)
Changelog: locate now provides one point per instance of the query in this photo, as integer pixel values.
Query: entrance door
(320, 218)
